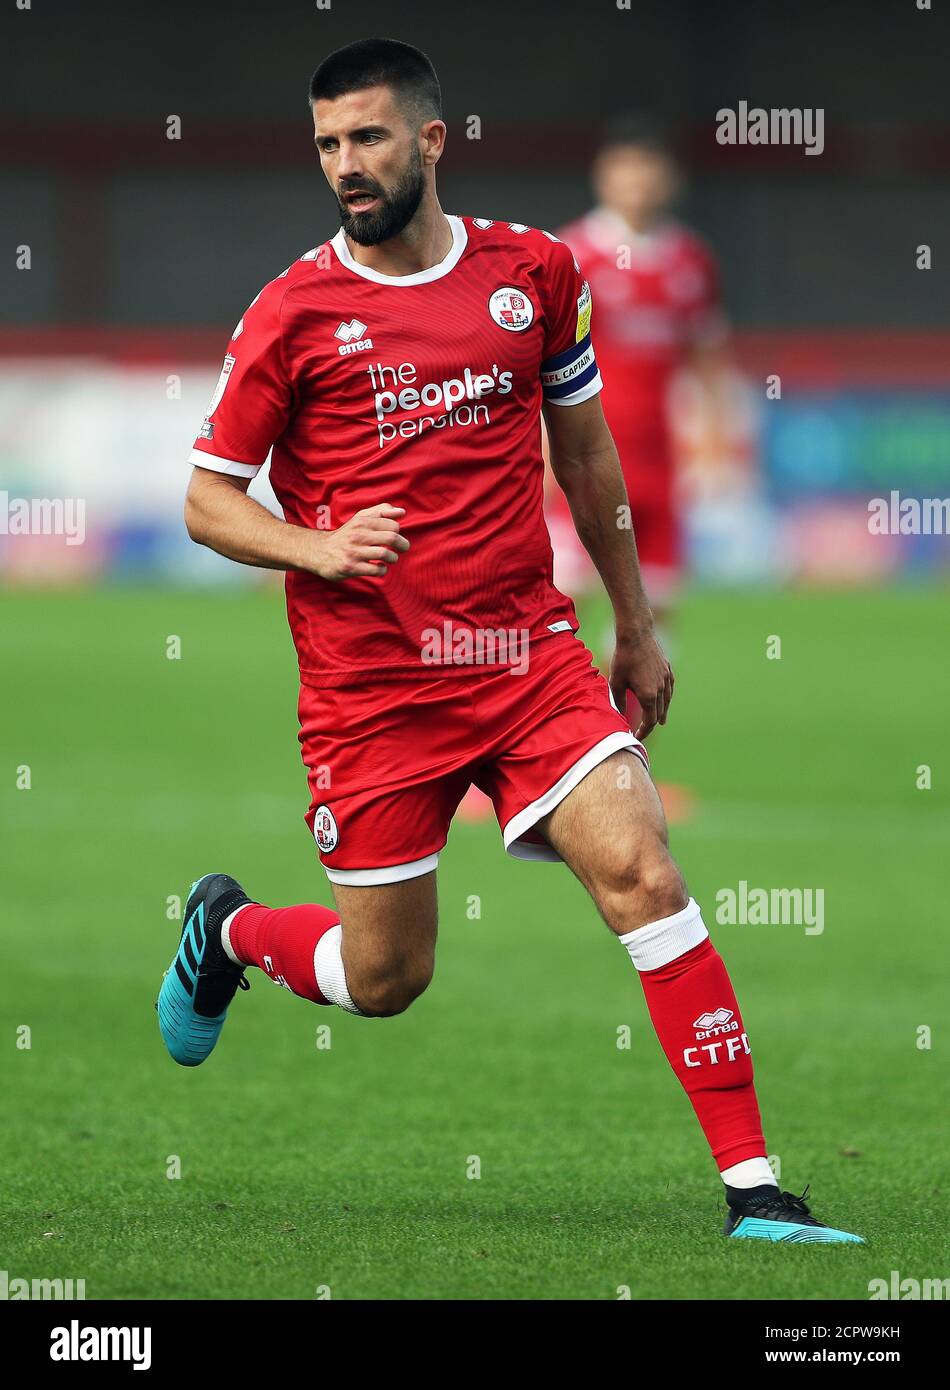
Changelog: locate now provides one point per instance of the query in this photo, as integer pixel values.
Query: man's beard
(397, 207)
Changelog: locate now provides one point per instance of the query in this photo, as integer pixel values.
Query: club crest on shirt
(511, 309)
(325, 830)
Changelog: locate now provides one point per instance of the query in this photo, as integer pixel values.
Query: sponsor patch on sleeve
(583, 313)
(223, 380)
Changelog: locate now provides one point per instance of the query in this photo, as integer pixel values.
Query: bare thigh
(388, 948)
(611, 832)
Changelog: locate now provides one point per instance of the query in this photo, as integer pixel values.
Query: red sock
(697, 1020)
(281, 941)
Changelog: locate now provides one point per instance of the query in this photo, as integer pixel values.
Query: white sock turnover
(226, 933)
(751, 1172)
(328, 968)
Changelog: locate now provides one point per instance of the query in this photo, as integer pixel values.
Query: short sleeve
(251, 402)
(569, 371)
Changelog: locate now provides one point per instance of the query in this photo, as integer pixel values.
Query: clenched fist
(367, 544)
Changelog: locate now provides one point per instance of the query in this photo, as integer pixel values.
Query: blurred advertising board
(96, 429)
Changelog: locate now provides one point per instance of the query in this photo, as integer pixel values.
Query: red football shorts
(388, 761)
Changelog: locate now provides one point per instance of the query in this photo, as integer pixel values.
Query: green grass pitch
(346, 1168)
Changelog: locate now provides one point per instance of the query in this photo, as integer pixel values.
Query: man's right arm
(249, 410)
(220, 515)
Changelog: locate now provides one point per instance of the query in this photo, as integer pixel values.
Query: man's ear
(432, 135)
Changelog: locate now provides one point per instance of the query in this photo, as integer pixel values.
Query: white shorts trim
(392, 873)
(219, 465)
(543, 806)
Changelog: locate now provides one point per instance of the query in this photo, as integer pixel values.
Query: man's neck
(425, 242)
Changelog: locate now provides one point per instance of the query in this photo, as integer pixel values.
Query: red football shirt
(423, 391)
(657, 294)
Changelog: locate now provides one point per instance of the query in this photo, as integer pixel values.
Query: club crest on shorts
(325, 831)
(511, 309)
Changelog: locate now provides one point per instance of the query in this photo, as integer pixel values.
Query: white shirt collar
(421, 277)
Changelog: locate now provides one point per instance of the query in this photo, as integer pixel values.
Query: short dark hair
(635, 128)
(380, 63)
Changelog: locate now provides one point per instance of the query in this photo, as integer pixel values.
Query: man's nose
(349, 164)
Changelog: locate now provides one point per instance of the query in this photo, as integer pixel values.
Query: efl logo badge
(511, 309)
(351, 336)
(324, 829)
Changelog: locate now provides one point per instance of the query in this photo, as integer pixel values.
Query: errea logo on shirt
(351, 336)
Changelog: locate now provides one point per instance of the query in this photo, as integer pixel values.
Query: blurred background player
(656, 293)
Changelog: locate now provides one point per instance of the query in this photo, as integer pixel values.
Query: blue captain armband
(572, 376)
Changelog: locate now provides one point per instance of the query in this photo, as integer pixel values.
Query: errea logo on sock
(711, 1024)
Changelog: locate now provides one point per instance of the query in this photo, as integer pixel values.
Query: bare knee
(642, 887)
(662, 886)
(388, 942)
(384, 990)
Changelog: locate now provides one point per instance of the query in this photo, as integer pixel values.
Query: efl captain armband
(572, 375)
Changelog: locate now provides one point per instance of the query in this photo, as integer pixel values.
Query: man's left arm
(585, 463)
